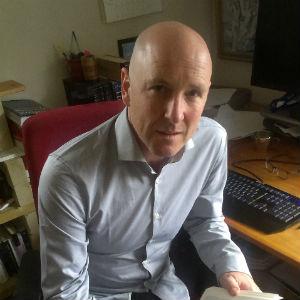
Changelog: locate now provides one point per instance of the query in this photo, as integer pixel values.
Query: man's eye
(193, 94)
(158, 88)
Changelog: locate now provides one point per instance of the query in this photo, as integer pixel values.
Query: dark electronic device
(276, 61)
(258, 205)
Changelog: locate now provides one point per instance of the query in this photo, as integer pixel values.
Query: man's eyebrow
(157, 80)
(198, 87)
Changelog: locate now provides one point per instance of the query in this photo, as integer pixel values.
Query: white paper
(216, 293)
(293, 131)
(219, 96)
(116, 10)
(239, 124)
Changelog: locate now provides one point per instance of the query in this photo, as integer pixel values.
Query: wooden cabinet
(11, 163)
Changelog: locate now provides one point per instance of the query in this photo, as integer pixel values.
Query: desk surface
(285, 244)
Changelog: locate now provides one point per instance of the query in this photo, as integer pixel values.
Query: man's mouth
(168, 133)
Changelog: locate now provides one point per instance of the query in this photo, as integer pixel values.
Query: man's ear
(125, 85)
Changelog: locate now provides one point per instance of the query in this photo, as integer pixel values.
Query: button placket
(156, 215)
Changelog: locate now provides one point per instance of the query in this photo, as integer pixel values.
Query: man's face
(165, 98)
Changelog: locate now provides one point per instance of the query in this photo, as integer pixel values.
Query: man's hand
(233, 282)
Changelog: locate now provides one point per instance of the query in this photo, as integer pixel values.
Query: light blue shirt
(107, 218)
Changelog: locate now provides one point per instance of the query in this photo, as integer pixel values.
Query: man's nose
(174, 110)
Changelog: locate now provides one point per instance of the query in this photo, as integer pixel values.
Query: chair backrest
(47, 131)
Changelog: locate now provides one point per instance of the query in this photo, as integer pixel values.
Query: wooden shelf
(10, 154)
(13, 167)
(10, 87)
(15, 212)
(7, 288)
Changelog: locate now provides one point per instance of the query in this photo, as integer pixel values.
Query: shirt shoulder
(85, 145)
(209, 129)
(209, 142)
(212, 125)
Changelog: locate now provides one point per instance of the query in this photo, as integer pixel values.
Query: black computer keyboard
(259, 205)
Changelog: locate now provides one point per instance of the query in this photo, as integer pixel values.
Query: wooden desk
(285, 244)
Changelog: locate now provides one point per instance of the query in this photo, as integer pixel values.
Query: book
(17, 247)
(8, 258)
(20, 110)
(217, 293)
(3, 273)
(13, 245)
(18, 226)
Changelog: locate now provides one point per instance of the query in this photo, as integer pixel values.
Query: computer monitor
(276, 61)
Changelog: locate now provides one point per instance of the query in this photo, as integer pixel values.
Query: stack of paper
(218, 97)
(215, 293)
(294, 131)
(239, 124)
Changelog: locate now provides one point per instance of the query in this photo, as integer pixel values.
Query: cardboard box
(110, 66)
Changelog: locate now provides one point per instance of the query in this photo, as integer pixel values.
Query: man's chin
(165, 152)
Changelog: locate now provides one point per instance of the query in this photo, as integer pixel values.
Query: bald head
(166, 88)
(169, 40)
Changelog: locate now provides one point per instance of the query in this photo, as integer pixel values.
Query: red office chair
(47, 131)
(42, 134)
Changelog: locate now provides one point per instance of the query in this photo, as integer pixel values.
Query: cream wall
(30, 28)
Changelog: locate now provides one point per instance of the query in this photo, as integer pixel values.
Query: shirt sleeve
(206, 226)
(63, 241)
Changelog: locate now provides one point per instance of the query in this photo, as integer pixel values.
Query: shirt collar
(127, 146)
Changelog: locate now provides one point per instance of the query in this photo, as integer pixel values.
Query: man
(112, 200)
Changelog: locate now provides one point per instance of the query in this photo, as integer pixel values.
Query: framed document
(236, 25)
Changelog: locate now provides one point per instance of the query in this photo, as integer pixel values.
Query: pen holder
(89, 67)
(75, 69)
(262, 140)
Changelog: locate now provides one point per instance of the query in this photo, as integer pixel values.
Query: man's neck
(154, 161)
(157, 165)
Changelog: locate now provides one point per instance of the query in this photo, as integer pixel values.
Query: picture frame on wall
(125, 47)
(236, 27)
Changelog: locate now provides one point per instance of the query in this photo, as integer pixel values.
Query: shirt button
(156, 215)
(145, 262)
(157, 181)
